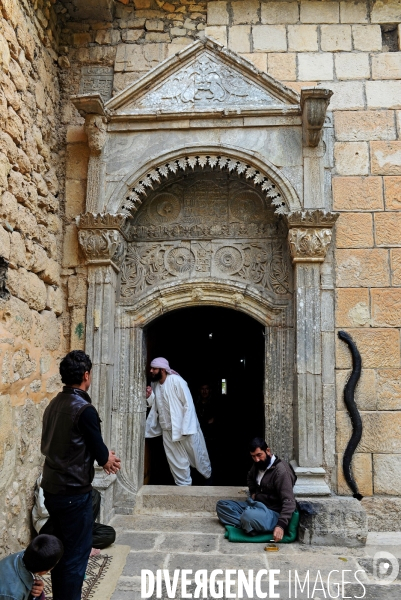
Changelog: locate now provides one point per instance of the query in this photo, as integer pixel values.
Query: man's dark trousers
(73, 521)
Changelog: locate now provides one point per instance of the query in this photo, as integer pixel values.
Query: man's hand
(37, 588)
(278, 534)
(113, 464)
(253, 496)
(148, 392)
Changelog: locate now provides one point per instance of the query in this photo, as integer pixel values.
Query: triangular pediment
(203, 77)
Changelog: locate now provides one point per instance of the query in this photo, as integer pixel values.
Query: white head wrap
(162, 363)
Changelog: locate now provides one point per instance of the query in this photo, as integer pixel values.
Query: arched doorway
(225, 350)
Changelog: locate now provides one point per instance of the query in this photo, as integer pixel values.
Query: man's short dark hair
(43, 553)
(74, 366)
(257, 442)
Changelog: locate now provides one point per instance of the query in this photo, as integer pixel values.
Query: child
(17, 571)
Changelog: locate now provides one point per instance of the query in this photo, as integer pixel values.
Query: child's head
(42, 554)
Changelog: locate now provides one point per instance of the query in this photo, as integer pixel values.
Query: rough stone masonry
(51, 50)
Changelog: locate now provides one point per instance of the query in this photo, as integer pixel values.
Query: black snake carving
(353, 412)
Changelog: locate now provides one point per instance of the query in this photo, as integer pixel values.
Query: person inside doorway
(206, 411)
(172, 414)
(271, 500)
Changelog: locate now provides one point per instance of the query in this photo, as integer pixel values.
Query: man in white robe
(173, 415)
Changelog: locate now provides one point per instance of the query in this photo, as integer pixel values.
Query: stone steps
(171, 500)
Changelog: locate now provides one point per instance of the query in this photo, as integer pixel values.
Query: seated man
(271, 500)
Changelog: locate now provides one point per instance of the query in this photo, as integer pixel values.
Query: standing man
(173, 415)
(71, 442)
(271, 502)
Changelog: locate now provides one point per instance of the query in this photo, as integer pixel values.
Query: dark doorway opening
(224, 349)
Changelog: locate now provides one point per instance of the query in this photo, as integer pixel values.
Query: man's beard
(263, 464)
(156, 376)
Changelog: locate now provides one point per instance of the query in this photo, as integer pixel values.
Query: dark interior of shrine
(224, 349)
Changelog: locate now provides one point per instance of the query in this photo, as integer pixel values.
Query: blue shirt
(15, 580)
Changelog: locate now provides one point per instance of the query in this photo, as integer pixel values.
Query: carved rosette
(310, 234)
(102, 238)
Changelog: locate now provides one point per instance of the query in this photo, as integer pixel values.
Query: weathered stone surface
(395, 259)
(282, 66)
(259, 59)
(386, 65)
(364, 125)
(386, 12)
(78, 320)
(387, 229)
(319, 12)
(349, 517)
(362, 472)
(347, 95)
(218, 33)
(386, 158)
(354, 230)
(352, 307)
(386, 474)
(357, 193)
(386, 307)
(311, 64)
(383, 94)
(392, 193)
(350, 65)
(28, 287)
(388, 389)
(367, 37)
(335, 38)
(351, 158)
(365, 392)
(217, 13)
(54, 300)
(77, 161)
(269, 38)
(239, 38)
(245, 11)
(381, 432)
(302, 38)
(384, 513)
(379, 348)
(276, 13)
(75, 193)
(353, 12)
(131, 57)
(70, 247)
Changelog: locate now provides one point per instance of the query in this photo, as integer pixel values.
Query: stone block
(364, 125)
(70, 247)
(239, 38)
(133, 57)
(365, 391)
(314, 64)
(77, 161)
(54, 299)
(75, 194)
(319, 12)
(269, 38)
(381, 432)
(386, 307)
(259, 59)
(383, 94)
(218, 33)
(363, 474)
(282, 66)
(384, 513)
(335, 38)
(348, 95)
(386, 158)
(26, 223)
(302, 38)
(386, 11)
(17, 252)
(77, 290)
(388, 229)
(51, 273)
(217, 13)
(379, 348)
(351, 158)
(5, 244)
(245, 12)
(350, 65)
(352, 307)
(9, 208)
(154, 25)
(78, 320)
(157, 37)
(354, 230)
(367, 38)
(362, 268)
(386, 474)
(392, 193)
(178, 31)
(357, 193)
(277, 13)
(386, 65)
(131, 35)
(388, 389)
(335, 521)
(395, 260)
(354, 12)
(28, 287)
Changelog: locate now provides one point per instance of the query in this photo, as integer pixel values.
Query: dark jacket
(276, 489)
(69, 447)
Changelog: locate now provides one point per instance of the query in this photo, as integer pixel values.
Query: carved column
(102, 239)
(309, 237)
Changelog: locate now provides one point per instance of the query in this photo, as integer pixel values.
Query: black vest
(68, 467)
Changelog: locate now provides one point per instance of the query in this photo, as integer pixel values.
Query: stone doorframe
(114, 333)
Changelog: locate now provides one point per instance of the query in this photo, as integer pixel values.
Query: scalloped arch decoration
(138, 190)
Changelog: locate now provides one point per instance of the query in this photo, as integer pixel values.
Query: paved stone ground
(161, 542)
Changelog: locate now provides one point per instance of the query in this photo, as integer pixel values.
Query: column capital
(103, 238)
(309, 234)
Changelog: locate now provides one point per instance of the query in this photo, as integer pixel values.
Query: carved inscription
(97, 79)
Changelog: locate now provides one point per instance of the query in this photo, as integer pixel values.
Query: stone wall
(31, 169)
